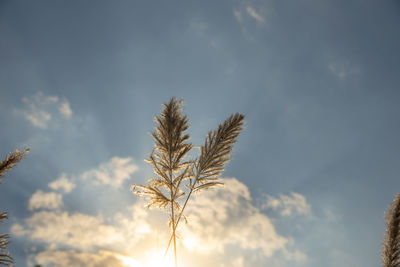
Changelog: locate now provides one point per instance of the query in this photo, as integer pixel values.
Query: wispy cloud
(343, 70)
(255, 15)
(65, 108)
(62, 183)
(42, 200)
(248, 13)
(238, 15)
(40, 109)
(288, 205)
(113, 172)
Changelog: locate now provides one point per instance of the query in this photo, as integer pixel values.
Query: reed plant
(391, 243)
(176, 177)
(7, 164)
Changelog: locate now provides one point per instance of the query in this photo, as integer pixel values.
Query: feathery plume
(217, 150)
(177, 178)
(5, 258)
(214, 155)
(7, 164)
(11, 160)
(167, 158)
(391, 243)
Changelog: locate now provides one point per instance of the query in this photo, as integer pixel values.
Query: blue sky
(313, 171)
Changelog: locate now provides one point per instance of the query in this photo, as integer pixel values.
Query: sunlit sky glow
(154, 258)
(311, 175)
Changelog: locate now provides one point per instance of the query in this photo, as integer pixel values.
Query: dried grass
(7, 164)
(391, 243)
(176, 177)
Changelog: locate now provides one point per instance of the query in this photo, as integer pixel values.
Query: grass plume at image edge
(7, 164)
(391, 243)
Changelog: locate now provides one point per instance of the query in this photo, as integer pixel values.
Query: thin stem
(173, 231)
(171, 176)
(180, 214)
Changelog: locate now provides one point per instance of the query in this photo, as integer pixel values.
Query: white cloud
(342, 70)
(44, 200)
(65, 109)
(77, 230)
(218, 220)
(40, 109)
(62, 183)
(38, 118)
(72, 239)
(73, 258)
(255, 15)
(249, 13)
(226, 216)
(288, 204)
(113, 172)
(239, 262)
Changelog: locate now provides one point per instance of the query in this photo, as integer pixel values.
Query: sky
(311, 175)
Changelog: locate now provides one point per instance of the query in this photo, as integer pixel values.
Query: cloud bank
(226, 216)
(220, 221)
(40, 200)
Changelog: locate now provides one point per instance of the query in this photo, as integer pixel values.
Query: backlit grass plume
(391, 243)
(7, 164)
(176, 177)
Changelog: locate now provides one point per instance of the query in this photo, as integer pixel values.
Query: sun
(129, 262)
(153, 258)
(156, 259)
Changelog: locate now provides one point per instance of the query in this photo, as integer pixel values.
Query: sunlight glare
(191, 242)
(156, 259)
(153, 258)
(129, 262)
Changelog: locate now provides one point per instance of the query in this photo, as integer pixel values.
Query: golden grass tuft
(391, 243)
(176, 177)
(7, 164)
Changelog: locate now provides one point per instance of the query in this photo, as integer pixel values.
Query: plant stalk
(173, 193)
(180, 214)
